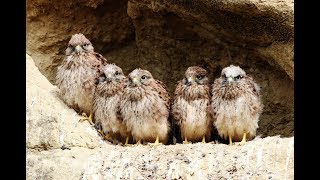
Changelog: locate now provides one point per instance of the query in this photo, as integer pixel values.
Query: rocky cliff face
(59, 147)
(164, 37)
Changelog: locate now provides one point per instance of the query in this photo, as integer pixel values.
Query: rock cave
(164, 37)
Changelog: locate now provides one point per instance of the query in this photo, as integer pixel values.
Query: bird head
(139, 77)
(195, 75)
(232, 74)
(78, 44)
(111, 72)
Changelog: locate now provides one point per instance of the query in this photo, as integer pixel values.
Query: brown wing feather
(102, 59)
(163, 93)
(178, 89)
(255, 87)
(98, 66)
(176, 114)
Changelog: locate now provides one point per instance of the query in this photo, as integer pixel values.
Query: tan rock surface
(267, 158)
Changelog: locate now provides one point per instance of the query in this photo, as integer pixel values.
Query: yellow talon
(203, 139)
(243, 141)
(185, 141)
(85, 117)
(107, 137)
(127, 140)
(139, 142)
(156, 143)
(230, 140)
(100, 132)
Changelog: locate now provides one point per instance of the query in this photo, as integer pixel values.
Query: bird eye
(199, 77)
(238, 77)
(85, 44)
(144, 77)
(117, 73)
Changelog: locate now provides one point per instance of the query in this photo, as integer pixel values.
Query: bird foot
(240, 143)
(186, 142)
(126, 142)
(108, 137)
(101, 133)
(85, 117)
(243, 140)
(138, 143)
(203, 140)
(155, 144)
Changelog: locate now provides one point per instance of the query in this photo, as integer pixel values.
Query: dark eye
(116, 73)
(144, 77)
(199, 77)
(238, 77)
(85, 45)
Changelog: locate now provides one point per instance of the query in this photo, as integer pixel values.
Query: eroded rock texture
(166, 37)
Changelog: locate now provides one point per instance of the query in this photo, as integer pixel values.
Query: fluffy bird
(106, 103)
(190, 106)
(145, 107)
(77, 74)
(236, 105)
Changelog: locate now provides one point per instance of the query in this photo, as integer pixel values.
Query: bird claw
(85, 117)
(185, 142)
(155, 144)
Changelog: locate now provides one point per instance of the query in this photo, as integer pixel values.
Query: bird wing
(98, 67)
(102, 59)
(163, 93)
(175, 113)
(178, 90)
(254, 86)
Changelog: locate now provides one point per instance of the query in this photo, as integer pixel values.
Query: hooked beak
(189, 81)
(230, 79)
(108, 77)
(135, 81)
(78, 49)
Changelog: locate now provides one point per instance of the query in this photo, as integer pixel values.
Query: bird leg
(85, 117)
(127, 140)
(101, 132)
(108, 137)
(139, 142)
(156, 142)
(230, 139)
(185, 141)
(203, 139)
(243, 141)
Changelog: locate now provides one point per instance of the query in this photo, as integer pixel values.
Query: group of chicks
(137, 108)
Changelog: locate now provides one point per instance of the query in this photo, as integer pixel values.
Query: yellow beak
(230, 79)
(190, 79)
(109, 75)
(78, 48)
(135, 80)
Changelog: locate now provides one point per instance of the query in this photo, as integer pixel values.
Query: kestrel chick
(236, 104)
(144, 108)
(190, 106)
(77, 74)
(106, 102)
